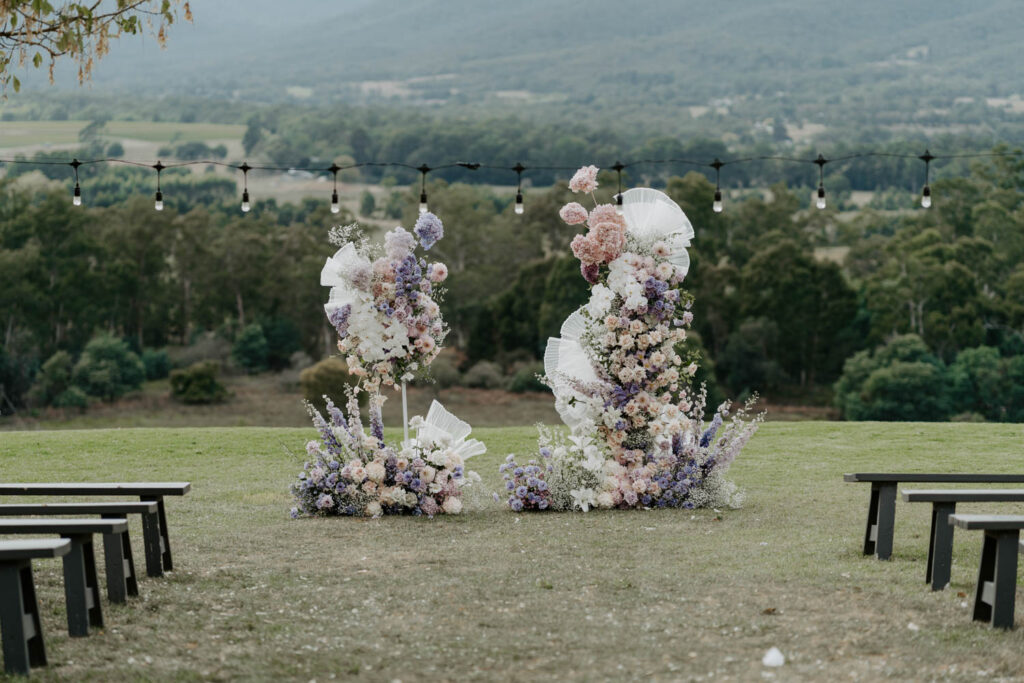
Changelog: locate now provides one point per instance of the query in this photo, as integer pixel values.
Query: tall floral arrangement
(621, 374)
(384, 302)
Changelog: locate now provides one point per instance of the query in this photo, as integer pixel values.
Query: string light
(158, 204)
(335, 206)
(424, 169)
(519, 168)
(618, 193)
(926, 191)
(245, 168)
(821, 161)
(716, 205)
(76, 197)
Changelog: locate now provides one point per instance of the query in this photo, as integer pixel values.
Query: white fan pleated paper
(565, 361)
(652, 215)
(439, 422)
(335, 275)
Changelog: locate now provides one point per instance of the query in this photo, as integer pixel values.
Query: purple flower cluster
(429, 229)
(526, 486)
(339, 318)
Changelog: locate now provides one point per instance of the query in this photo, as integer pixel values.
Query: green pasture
(491, 595)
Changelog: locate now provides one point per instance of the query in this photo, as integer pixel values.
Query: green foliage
(367, 204)
(484, 375)
(108, 369)
(444, 371)
(115, 150)
(72, 397)
(283, 339)
(979, 382)
(157, 363)
(53, 379)
(251, 350)
(748, 362)
(329, 377)
(197, 384)
(525, 379)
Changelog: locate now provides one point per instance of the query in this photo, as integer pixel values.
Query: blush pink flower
(573, 213)
(584, 180)
(605, 213)
(438, 272)
(610, 240)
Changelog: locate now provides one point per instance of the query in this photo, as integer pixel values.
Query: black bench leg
(117, 549)
(151, 544)
(165, 539)
(19, 619)
(940, 546)
(995, 594)
(80, 589)
(881, 519)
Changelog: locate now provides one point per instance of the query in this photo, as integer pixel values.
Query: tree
(35, 31)
(367, 204)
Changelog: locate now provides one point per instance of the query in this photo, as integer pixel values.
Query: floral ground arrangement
(258, 596)
(620, 372)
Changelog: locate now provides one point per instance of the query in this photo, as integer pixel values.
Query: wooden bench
(940, 545)
(22, 632)
(119, 584)
(882, 505)
(80, 584)
(146, 491)
(995, 594)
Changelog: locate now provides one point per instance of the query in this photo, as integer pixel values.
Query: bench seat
(996, 591)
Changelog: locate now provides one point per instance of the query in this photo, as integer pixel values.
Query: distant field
(31, 133)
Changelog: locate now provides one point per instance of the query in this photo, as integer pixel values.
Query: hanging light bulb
(926, 197)
(716, 205)
(821, 161)
(519, 203)
(245, 168)
(158, 202)
(76, 197)
(335, 206)
(424, 170)
(618, 195)
(926, 192)
(423, 202)
(821, 198)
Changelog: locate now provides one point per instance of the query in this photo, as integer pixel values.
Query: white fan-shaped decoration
(652, 215)
(564, 361)
(574, 326)
(344, 261)
(439, 423)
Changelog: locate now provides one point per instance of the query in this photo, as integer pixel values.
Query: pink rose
(438, 272)
(584, 180)
(573, 213)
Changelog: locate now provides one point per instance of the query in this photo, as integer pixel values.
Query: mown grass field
(491, 595)
(24, 133)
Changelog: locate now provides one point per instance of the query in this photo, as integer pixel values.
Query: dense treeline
(786, 296)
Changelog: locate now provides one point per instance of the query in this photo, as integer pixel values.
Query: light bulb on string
(926, 192)
(618, 195)
(158, 202)
(519, 208)
(423, 169)
(76, 196)
(821, 161)
(245, 168)
(335, 205)
(716, 205)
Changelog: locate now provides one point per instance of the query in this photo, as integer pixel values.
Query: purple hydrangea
(429, 229)
(339, 318)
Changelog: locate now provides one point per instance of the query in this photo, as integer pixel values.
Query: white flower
(605, 500)
(600, 300)
(583, 499)
(374, 509)
(416, 422)
(452, 505)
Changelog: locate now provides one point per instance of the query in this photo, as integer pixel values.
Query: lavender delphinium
(429, 229)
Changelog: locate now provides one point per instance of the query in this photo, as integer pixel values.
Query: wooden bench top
(33, 548)
(133, 507)
(956, 495)
(949, 477)
(34, 525)
(994, 522)
(134, 488)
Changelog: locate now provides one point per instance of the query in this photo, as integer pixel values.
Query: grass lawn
(664, 595)
(22, 133)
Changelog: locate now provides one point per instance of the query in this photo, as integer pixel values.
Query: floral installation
(384, 302)
(621, 375)
(355, 473)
